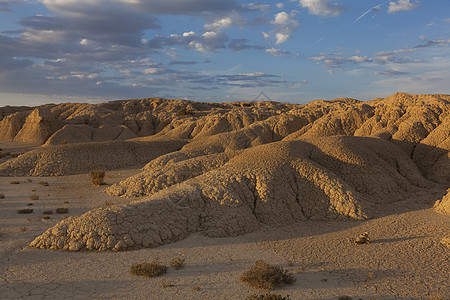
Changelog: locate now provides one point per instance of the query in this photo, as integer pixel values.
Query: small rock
(363, 238)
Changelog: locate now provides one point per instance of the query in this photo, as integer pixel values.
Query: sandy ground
(405, 259)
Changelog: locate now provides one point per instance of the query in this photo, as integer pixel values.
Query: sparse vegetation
(185, 111)
(23, 229)
(177, 263)
(47, 212)
(108, 203)
(267, 297)
(152, 269)
(196, 288)
(97, 177)
(29, 180)
(62, 210)
(43, 183)
(2, 196)
(266, 277)
(34, 197)
(25, 211)
(15, 182)
(45, 217)
(344, 297)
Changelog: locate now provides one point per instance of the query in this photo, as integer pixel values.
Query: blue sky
(221, 50)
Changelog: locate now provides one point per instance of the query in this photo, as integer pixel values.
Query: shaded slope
(83, 158)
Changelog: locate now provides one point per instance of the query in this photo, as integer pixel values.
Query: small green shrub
(266, 277)
(97, 177)
(267, 297)
(152, 269)
(177, 263)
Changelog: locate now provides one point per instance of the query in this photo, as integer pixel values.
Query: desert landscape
(219, 186)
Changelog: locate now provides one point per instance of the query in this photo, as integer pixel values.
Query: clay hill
(225, 169)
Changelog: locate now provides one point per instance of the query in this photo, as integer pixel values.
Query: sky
(54, 51)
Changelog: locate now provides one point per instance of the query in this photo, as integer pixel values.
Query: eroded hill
(227, 169)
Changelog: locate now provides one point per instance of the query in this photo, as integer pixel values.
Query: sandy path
(405, 259)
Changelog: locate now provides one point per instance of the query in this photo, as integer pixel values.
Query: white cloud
(402, 5)
(277, 52)
(229, 21)
(285, 24)
(322, 7)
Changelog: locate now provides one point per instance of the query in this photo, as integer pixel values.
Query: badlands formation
(232, 168)
(229, 169)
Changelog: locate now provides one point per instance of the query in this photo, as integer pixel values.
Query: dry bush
(185, 111)
(43, 183)
(152, 269)
(2, 196)
(47, 212)
(345, 297)
(62, 210)
(267, 297)
(177, 263)
(34, 197)
(45, 217)
(25, 211)
(15, 182)
(266, 277)
(97, 177)
(23, 229)
(29, 180)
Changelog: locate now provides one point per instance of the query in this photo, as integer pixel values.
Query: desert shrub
(29, 180)
(152, 269)
(62, 210)
(34, 197)
(266, 277)
(97, 177)
(345, 297)
(184, 112)
(5, 154)
(43, 183)
(23, 229)
(45, 217)
(47, 212)
(267, 297)
(177, 262)
(2, 196)
(15, 182)
(25, 211)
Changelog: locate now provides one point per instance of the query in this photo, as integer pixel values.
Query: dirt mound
(83, 158)
(268, 185)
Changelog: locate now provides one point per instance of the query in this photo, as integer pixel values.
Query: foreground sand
(405, 259)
